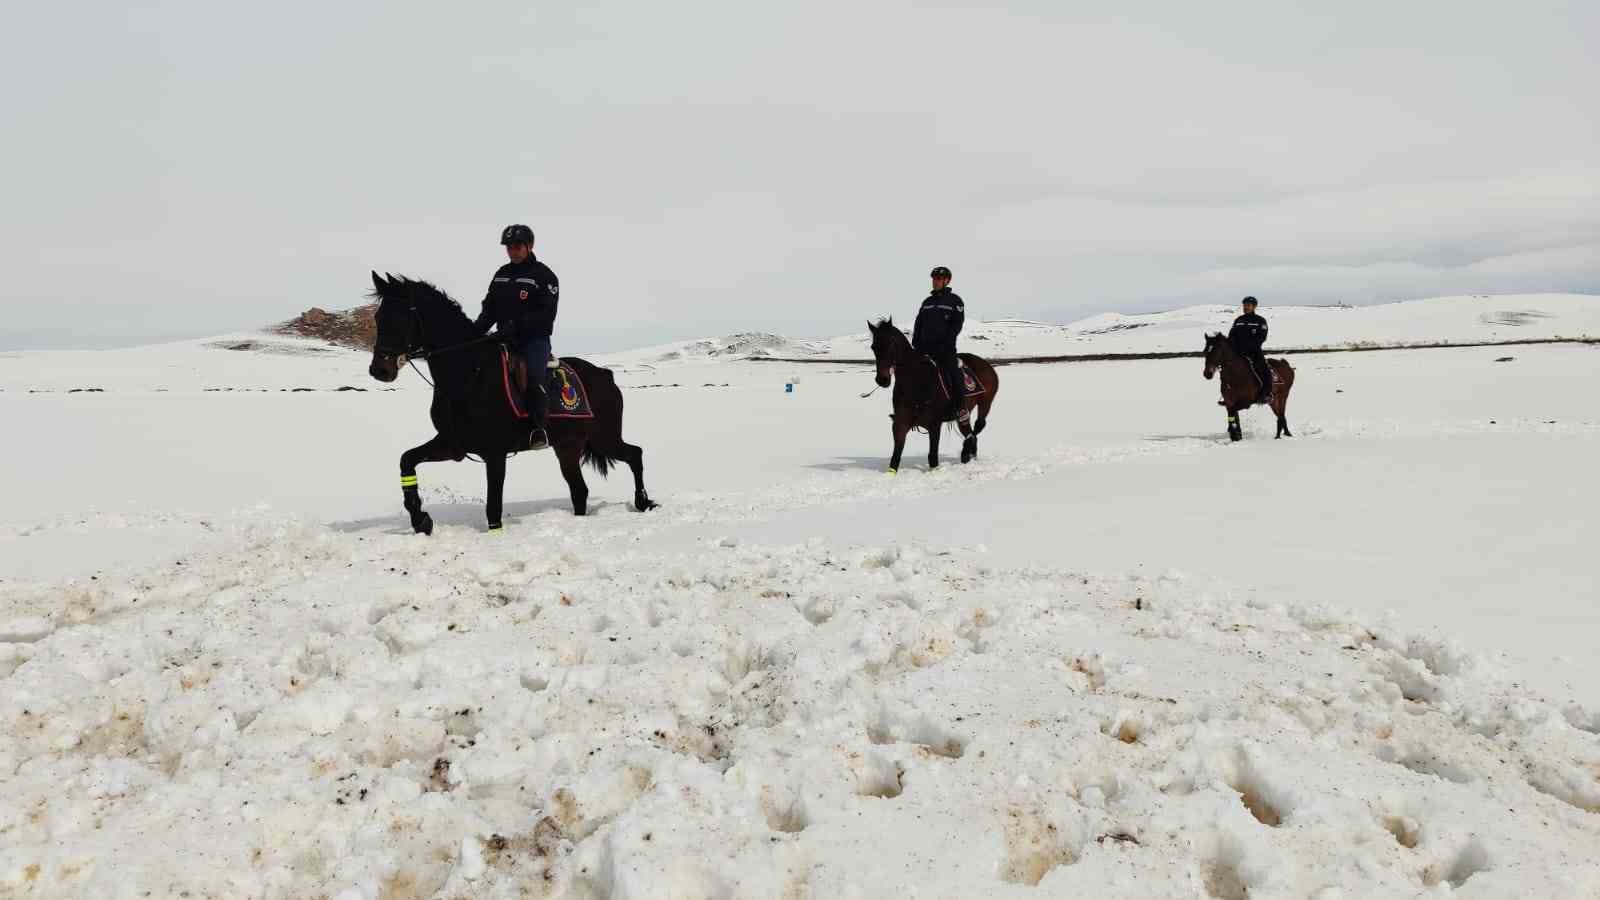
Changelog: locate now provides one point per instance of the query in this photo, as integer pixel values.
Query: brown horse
(919, 401)
(1240, 388)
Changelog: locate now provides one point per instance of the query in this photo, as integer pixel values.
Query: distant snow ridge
(745, 345)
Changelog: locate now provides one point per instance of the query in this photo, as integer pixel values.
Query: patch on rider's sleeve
(522, 295)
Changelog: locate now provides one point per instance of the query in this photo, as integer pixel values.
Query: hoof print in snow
(1258, 794)
(881, 778)
(1221, 878)
(1125, 727)
(1034, 846)
(788, 816)
(927, 735)
(1459, 867)
(1406, 830)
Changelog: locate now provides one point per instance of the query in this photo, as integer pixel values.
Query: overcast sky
(691, 168)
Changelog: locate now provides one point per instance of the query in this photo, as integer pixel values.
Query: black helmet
(1248, 300)
(939, 272)
(516, 234)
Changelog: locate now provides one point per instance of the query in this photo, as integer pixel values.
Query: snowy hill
(732, 347)
(1441, 319)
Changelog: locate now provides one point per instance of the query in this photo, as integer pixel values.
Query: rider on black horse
(521, 305)
(1247, 336)
(938, 323)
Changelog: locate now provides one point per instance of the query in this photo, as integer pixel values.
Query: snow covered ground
(1115, 657)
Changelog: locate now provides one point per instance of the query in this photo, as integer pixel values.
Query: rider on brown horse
(521, 305)
(1248, 335)
(934, 333)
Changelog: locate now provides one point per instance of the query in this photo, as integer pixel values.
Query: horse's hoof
(495, 529)
(642, 503)
(894, 472)
(423, 525)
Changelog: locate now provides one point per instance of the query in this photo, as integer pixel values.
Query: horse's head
(1215, 346)
(399, 326)
(414, 318)
(888, 343)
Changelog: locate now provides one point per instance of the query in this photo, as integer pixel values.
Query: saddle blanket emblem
(570, 399)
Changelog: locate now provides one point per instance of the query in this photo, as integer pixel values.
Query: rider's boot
(538, 437)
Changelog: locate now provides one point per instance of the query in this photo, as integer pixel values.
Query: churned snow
(1115, 657)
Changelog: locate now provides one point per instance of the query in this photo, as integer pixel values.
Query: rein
(425, 354)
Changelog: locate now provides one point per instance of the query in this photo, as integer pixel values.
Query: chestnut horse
(1241, 389)
(919, 401)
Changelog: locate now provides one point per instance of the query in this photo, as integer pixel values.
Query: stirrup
(538, 439)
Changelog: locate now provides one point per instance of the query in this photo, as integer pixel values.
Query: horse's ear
(377, 283)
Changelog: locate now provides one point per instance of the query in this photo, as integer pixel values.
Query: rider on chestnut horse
(1248, 335)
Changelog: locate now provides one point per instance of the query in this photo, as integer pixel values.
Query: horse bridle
(416, 351)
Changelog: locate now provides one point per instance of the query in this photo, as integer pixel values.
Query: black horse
(470, 410)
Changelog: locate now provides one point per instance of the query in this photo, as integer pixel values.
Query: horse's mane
(400, 285)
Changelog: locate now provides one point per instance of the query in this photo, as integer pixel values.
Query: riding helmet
(1248, 300)
(516, 234)
(939, 272)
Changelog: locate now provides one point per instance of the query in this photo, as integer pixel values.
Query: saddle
(1272, 380)
(566, 397)
(970, 387)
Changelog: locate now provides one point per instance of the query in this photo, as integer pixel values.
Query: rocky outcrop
(355, 328)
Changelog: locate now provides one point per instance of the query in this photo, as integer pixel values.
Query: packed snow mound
(368, 715)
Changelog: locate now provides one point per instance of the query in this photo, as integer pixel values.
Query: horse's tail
(599, 460)
(604, 447)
